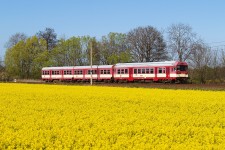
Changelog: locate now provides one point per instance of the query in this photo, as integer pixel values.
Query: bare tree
(1, 63)
(50, 37)
(223, 58)
(2, 70)
(14, 39)
(181, 39)
(201, 60)
(146, 44)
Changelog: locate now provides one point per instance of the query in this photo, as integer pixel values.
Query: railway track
(220, 87)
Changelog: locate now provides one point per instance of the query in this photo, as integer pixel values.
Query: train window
(93, 71)
(182, 68)
(78, 72)
(126, 71)
(173, 69)
(104, 71)
(45, 73)
(122, 71)
(101, 71)
(118, 71)
(151, 70)
(135, 71)
(147, 70)
(67, 72)
(108, 71)
(55, 72)
(160, 70)
(139, 71)
(143, 71)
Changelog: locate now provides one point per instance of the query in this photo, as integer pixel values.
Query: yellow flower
(90, 117)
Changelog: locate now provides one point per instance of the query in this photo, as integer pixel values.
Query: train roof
(94, 66)
(57, 68)
(77, 67)
(105, 66)
(163, 63)
(143, 64)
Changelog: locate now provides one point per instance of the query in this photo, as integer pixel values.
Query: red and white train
(167, 71)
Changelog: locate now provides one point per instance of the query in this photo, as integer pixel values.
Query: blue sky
(99, 17)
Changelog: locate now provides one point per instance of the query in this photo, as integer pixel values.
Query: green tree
(24, 59)
(67, 52)
(114, 49)
(58, 54)
(74, 51)
(14, 62)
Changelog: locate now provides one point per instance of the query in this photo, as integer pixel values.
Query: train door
(112, 73)
(62, 77)
(167, 72)
(83, 73)
(156, 72)
(50, 75)
(98, 73)
(130, 74)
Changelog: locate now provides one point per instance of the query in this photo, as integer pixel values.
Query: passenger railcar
(168, 71)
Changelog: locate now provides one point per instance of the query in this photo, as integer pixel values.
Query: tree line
(25, 56)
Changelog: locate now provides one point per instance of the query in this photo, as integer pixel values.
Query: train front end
(181, 72)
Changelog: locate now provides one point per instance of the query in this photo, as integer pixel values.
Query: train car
(57, 73)
(78, 73)
(168, 71)
(105, 73)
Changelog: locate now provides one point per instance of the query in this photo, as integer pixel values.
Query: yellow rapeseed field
(85, 117)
